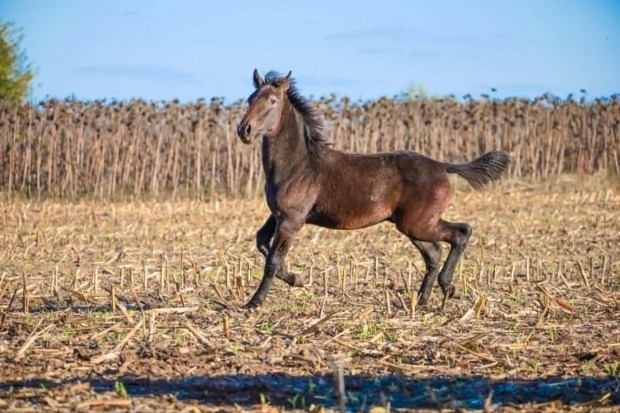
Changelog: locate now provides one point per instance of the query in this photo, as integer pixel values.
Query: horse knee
(261, 238)
(265, 234)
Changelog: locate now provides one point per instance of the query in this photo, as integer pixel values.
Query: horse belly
(362, 193)
(350, 217)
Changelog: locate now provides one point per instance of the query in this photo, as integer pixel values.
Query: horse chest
(280, 198)
(287, 198)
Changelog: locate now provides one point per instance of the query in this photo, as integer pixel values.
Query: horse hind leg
(457, 235)
(431, 253)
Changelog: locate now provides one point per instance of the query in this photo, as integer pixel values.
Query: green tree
(416, 91)
(15, 72)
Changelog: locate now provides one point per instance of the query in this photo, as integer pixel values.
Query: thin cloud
(394, 34)
(380, 51)
(464, 39)
(424, 54)
(305, 82)
(118, 12)
(145, 72)
(464, 56)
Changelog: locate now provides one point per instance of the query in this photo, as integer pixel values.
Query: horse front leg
(263, 242)
(275, 266)
(265, 234)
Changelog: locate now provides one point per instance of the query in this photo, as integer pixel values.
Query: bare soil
(136, 306)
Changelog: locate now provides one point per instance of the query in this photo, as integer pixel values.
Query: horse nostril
(241, 129)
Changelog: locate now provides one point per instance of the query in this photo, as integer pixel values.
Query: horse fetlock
(449, 291)
(422, 300)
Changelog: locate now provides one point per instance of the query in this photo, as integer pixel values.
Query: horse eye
(273, 101)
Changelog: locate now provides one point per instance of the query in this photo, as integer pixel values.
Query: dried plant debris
(137, 307)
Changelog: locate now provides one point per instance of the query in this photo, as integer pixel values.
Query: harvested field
(136, 307)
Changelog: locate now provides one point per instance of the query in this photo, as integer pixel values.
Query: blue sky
(188, 49)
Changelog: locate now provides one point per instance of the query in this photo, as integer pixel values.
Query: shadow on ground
(361, 391)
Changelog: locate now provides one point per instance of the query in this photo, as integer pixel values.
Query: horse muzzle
(243, 130)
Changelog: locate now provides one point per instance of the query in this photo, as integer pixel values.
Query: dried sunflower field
(71, 148)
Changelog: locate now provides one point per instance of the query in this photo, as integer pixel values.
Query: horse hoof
(251, 305)
(422, 302)
(297, 281)
(453, 293)
(293, 280)
(450, 292)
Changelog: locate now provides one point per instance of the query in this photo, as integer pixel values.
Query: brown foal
(307, 181)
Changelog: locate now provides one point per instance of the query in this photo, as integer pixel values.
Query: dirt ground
(136, 306)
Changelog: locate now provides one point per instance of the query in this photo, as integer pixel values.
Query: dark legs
(457, 235)
(431, 253)
(265, 234)
(283, 234)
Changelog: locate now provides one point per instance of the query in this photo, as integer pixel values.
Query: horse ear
(258, 81)
(285, 82)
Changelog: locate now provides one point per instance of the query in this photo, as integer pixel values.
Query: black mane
(315, 140)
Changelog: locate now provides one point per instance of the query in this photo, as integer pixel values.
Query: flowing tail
(489, 167)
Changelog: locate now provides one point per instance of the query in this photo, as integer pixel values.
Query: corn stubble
(153, 288)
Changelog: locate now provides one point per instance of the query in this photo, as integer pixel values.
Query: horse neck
(286, 151)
